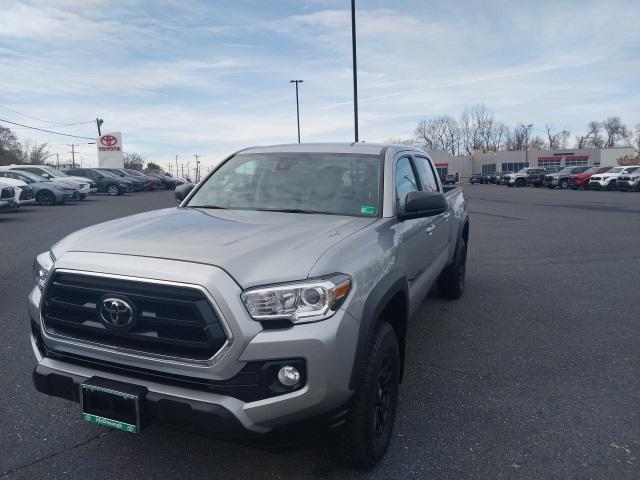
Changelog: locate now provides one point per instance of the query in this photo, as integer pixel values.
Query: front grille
(26, 194)
(7, 192)
(173, 321)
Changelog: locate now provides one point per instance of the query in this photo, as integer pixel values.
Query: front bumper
(325, 346)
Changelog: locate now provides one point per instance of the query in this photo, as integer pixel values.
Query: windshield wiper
(293, 210)
(214, 207)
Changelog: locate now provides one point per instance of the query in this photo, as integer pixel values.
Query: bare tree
(8, 146)
(29, 151)
(536, 143)
(557, 139)
(438, 133)
(134, 161)
(616, 132)
(636, 138)
(401, 141)
(517, 138)
(593, 138)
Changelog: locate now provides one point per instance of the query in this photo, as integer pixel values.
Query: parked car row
(45, 185)
(623, 178)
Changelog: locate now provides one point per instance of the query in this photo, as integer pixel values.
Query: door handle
(430, 229)
(446, 216)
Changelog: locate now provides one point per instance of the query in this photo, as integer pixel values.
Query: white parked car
(8, 199)
(629, 181)
(24, 193)
(84, 185)
(608, 179)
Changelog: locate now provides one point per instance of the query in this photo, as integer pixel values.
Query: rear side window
(405, 180)
(427, 177)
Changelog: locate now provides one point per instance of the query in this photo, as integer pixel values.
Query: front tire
(451, 280)
(564, 185)
(366, 434)
(113, 190)
(45, 197)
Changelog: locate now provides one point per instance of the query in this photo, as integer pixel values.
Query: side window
(405, 180)
(427, 176)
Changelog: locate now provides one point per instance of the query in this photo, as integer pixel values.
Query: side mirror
(423, 204)
(183, 190)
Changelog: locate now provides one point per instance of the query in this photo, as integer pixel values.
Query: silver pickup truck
(273, 300)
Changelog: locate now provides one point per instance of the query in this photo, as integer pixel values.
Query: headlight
(41, 267)
(305, 301)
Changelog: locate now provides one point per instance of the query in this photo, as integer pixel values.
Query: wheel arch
(388, 301)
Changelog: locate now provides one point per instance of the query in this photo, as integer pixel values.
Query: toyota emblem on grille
(116, 312)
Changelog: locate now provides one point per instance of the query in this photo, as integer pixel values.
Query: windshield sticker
(367, 210)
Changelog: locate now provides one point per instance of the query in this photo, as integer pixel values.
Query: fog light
(289, 376)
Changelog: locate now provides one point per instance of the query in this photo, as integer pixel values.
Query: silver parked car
(85, 186)
(45, 191)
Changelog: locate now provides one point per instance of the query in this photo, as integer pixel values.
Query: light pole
(99, 123)
(297, 105)
(526, 142)
(355, 68)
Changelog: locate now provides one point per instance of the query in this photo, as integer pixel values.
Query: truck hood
(253, 247)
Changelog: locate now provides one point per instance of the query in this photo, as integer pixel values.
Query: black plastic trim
(376, 302)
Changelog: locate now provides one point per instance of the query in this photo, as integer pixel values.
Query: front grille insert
(7, 192)
(171, 320)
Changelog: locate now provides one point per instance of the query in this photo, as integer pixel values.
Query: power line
(52, 124)
(43, 130)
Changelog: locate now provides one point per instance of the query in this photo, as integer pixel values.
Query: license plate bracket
(112, 404)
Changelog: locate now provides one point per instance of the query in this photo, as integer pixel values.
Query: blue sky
(209, 77)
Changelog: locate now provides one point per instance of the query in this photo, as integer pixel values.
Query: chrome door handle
(430, 229)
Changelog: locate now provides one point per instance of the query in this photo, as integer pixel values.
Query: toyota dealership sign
(110, 150)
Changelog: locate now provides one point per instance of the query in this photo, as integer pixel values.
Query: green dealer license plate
(112, 404)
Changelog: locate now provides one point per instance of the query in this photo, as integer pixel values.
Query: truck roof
(360, 147)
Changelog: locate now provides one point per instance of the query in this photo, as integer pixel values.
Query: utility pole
(297, 105)
(355, 68)
(73, 154)
(197, 167)
(99, 123)
(58, 161)
(182, 166)
(188, 174)
(176, 166)
(526, 142)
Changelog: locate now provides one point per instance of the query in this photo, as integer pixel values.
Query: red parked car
(581, 180)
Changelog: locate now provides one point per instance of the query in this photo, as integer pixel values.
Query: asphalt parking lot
(534, 373)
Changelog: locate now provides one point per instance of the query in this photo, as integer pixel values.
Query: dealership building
(511, 161)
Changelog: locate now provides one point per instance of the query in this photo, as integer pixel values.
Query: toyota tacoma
(273, 300)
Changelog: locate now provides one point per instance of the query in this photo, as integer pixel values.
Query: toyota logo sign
(108, 140)
(116, 312)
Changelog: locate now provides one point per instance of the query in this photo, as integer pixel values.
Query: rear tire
(451, 280)
(366, 434)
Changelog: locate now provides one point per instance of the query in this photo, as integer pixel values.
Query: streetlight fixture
(526, 142)
(297, 105)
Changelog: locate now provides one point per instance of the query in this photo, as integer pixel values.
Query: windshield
(107, 173)
(330, 183)
(53, 172)
(31, 177)
(616, 170)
